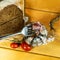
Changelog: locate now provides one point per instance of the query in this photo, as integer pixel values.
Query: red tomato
(25, 46)
(14, 45)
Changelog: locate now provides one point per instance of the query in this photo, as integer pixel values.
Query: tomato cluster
(23, 45)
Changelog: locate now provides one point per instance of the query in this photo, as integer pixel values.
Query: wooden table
(42, 11)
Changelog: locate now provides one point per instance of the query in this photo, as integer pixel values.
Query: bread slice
(11, 20)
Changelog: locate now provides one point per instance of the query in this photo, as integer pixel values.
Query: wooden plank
(14, 55)
(52, 5)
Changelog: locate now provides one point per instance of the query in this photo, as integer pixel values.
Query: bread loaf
(11, 20)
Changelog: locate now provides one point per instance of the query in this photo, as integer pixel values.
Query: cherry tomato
(25, 46)
(14, 45)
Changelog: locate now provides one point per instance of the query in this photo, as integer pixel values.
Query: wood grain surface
(42, 11)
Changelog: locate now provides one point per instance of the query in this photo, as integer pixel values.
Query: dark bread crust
(11, 20)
